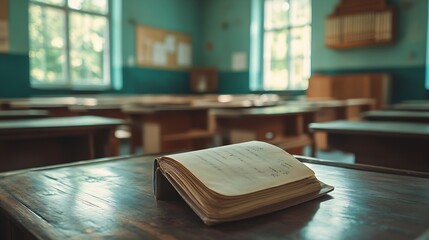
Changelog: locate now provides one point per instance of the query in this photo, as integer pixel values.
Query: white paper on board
(170, 43)
(184, 54)
(159, 56)
(239, 61)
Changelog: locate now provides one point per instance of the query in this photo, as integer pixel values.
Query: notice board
(4, 28)
(159, 48)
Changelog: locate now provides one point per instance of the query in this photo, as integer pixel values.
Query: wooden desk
(397, 116)
(237, 101)
(389, 144)
(22, 114)
(113, 199)
(172, 127)
(284, 126)
(57, 106)
(40, 142)
(410, 106)
(331, 110)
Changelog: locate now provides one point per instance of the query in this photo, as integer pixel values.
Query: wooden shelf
(360, 23)
(345, 45)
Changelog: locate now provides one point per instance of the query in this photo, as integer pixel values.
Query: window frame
(258, 32)
(68, 85)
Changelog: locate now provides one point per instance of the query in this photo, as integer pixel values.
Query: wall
(219, 29)
(14, 66)
(405, 59)
(177, 15)
(227, 31)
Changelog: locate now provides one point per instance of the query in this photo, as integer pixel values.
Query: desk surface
(82, 102)
(411, 106)
(327, 103)
(55, 123)
(113, 199)
(262, 111)
(374, 128)
(22, 114)
(396, 115)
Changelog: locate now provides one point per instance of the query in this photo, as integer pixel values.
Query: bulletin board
(159, 48)
(4, 28)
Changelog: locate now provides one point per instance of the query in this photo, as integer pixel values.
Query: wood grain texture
(113, 199)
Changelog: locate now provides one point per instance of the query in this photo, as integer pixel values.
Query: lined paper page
(243, 168)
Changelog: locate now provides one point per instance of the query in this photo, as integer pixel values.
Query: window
(69, 43)
(286, 45)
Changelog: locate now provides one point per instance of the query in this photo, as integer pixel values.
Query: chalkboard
(159, 48)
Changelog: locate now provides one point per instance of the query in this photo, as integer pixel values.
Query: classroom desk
(113, 199)
(284, 126)
(171, 127)
(389, 144)
(410, 106)
(57, 106)
(397, 116)
(22, 114)
(331, 110)
(38, 142)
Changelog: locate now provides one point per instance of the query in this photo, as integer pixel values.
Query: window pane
(300, 12)
(47, 60)
(52, 2)
(275, 45)
(98, 6)
(88, 49)
(300, 41)
(299, 73)
(275, 60)
(275, 75)
(276, 14)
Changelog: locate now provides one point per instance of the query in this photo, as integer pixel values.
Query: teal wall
(220, 28)
(176, 15)
(181, 16)
(405, 59)
(227, 31)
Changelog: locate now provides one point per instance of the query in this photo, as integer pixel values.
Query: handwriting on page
(242, 167)
(253, 160)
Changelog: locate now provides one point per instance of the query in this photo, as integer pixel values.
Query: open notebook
(236, 181)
